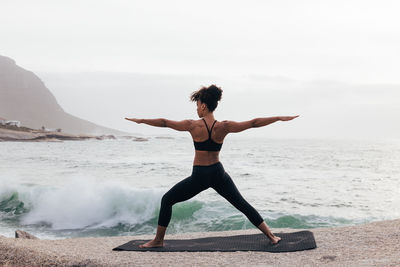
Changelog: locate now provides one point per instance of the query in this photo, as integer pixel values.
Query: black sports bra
(209, 144)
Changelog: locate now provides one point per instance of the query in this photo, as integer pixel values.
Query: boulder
(23, 234)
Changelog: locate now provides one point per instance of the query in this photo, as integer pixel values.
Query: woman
(208, 136)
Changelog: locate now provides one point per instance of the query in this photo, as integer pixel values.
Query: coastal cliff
(24, 97)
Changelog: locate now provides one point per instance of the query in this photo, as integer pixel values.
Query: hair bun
(215, 92)
(209, 95)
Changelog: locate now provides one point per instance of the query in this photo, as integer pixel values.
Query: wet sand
(373, 244)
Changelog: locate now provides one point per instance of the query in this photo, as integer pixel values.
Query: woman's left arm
(185, 125)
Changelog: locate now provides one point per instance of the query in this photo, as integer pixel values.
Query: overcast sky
(349, 40)
(325, 60)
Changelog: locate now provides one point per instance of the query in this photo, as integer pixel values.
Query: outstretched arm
(185, 125)
(235, 127)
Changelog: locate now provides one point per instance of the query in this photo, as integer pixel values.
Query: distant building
(49, 129)
(44, 129)
(13, 123)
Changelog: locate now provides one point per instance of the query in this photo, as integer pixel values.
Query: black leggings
(202, 178)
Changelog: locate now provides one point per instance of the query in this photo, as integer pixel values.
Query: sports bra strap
(208, 130)
(212, 128)
(206, 125)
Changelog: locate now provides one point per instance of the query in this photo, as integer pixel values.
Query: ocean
(57, 190)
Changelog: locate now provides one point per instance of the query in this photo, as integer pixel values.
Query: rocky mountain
(24, 97)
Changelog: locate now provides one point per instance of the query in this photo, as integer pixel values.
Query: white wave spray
(84, 202)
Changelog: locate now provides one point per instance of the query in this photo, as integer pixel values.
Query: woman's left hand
(287, 118)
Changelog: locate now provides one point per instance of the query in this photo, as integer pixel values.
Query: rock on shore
(373, 244)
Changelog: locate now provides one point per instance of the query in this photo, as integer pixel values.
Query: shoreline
(371, 244)
(32, 135)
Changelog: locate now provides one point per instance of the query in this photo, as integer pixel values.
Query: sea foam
(83, 202)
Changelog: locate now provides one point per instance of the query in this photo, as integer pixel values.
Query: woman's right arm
(185, 125)
(235, 127)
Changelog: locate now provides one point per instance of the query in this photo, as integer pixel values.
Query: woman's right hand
(288, 118)
(134, 120)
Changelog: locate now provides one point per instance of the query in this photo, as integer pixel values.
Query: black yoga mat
(255, 242)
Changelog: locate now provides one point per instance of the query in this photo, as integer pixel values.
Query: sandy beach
(373, 244)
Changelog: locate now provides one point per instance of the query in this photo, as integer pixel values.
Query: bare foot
(275, 239)
(152, 244)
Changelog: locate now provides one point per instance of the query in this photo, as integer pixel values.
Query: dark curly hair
(208, 95)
